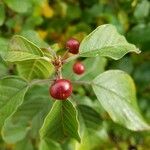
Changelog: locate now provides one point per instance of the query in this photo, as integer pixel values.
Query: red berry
(73, 46)
(78, 68)
(61, 89)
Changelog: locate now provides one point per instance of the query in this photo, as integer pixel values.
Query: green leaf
(124, 64)
(49, 145)
(94, 140)
(142, 9)
(91, 124)
(106, 41)
(32, 21)
(3, 46)
(30, 60)
(35, 107)
(69, 144)
(25, 144)
(3, 68)
(34, 37)
(73, 12)
(116, 92)
(21, 49)
(142, 74)
(61, 122)
(141, 30)
(91, 119)
(14, 56)
(12, 91)
(33, 69)
(2, 14)
(18, 6)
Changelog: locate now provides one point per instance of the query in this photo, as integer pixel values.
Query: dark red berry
(61, 89)
(78, 68)
(73, 46)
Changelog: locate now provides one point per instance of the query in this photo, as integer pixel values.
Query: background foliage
(54, 22)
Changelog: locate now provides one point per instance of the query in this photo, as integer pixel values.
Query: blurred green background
(55, 21)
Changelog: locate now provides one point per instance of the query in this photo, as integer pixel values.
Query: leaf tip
(138, 51)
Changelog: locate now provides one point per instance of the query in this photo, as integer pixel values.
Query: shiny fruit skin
(72, 46)
(78, 68)
(61, 89)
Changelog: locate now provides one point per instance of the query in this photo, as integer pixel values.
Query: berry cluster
(61, 88)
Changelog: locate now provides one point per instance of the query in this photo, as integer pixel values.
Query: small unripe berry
(61, 89)
(78, 68)
(73, 46)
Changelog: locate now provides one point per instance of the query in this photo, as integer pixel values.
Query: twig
(71, 58)
(64, 55)
(52, 51)
(82, 82)
(40, 82)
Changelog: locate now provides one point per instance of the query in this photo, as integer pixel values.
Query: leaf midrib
(31, 71)
(62, 119)
(113, 92)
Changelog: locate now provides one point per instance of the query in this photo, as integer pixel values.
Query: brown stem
(59, 73)
(64, 55)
